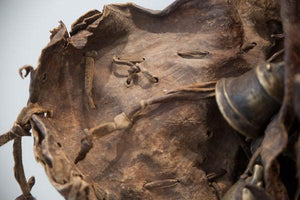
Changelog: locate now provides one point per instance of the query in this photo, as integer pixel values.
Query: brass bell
(249, 101)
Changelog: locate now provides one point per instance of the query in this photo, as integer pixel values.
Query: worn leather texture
(170, 148)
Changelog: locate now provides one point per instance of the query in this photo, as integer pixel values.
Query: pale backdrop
(24, 32)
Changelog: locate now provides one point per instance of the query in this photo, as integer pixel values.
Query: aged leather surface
(171, 147)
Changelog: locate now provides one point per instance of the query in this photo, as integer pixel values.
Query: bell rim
(222, 98)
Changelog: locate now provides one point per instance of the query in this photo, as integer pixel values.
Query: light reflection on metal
(249, 101)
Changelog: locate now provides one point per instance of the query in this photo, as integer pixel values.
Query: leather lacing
(22, 128)
(124, 121)
(135, 68)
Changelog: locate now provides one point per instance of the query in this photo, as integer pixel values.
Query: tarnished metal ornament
(249, 101)
(239, 188)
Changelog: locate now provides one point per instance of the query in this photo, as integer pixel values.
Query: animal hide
(123, 107)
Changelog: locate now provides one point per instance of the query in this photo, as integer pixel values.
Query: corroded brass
(249, 101)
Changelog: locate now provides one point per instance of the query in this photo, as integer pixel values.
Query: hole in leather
(128, 81)
(44, 77)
